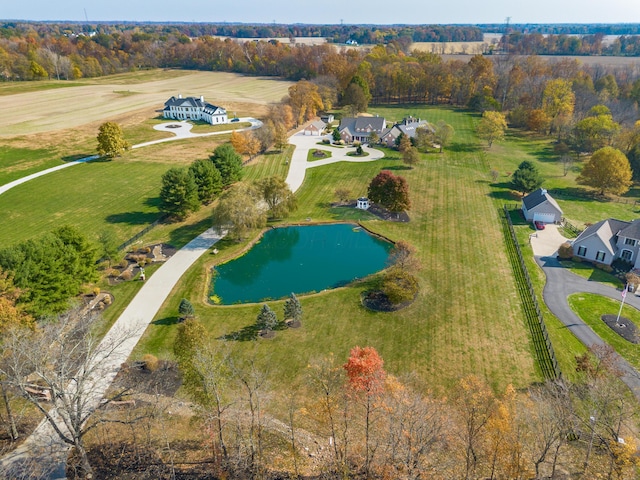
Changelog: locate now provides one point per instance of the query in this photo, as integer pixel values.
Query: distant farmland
(52, 108)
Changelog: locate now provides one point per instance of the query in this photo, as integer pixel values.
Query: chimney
(543, 191)
(179, 95)
(202, 98)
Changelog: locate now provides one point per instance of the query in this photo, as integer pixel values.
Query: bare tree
(207, 380)
(66, 362)
(415, 431)
(253, 382)
(550, 423)
(567, 163)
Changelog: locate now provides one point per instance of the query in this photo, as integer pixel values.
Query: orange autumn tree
(365, 382)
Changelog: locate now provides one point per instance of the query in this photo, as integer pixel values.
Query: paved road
(44, 443)
(180, 133)
(561, 283)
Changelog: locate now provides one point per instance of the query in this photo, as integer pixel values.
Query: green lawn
(312, 158)
(120, 195)
(588, 271)
(19, 162)
(590, 308)
(467, 318)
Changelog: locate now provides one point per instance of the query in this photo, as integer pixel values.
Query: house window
(630, 241)
(626, 255)
(582, 251)
(600, 256)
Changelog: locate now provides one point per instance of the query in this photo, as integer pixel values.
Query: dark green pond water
(300, 260)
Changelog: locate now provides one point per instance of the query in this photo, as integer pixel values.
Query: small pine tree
(336, 135)
(292, 308)
(267, 318)
(186, 309)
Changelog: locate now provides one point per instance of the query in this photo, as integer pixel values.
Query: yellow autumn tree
(305, 101)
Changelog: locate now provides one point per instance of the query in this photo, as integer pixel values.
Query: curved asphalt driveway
(560, 284)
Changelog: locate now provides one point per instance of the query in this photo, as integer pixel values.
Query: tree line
(563, 44)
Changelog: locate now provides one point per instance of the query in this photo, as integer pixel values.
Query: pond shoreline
(245, 281)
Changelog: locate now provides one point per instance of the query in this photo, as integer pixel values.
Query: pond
(300, 260)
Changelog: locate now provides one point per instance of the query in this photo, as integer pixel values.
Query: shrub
(124, 263)
(96, 291)
(103, 266)
(576, 259)
(326, 141)
(632, 279)
(565, 251)
(603, 267)
(114, 272)
(340, 142)
(107, 300)
(151, 362)
(357, 143)
(359, 150)
(185, 309)
(399, 286)
(126, 275)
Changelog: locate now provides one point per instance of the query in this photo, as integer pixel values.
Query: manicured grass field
(467, 318)
(590, 308)
(120, 195)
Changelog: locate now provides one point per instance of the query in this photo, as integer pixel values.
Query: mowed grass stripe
(467, 318)
(119, 195)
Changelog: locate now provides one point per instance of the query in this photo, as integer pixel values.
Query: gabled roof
(606, 230)
(538, 197)
(213, 110)
(319, 124)
(184, 102)
(631, 231)
(194, 102)
(409, 129)
(393, 130)
(360, 125)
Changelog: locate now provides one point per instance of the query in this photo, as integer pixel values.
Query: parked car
(539, 225)
(235, 120)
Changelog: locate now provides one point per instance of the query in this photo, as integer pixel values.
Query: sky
(328, 11)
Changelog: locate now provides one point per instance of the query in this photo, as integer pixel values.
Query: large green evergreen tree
(526, 178)
(207, 178)
(179, 193)
(51, 269)
(292, 308)
(228, 162)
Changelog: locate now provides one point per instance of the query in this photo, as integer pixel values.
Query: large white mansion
(192, 108)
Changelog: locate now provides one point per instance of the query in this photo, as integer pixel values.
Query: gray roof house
(539, 206)
(408, 126)
(192, 108)
(358, 129)
(608, 240)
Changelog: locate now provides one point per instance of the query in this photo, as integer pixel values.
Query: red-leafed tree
(391, 191)
(365, 381)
